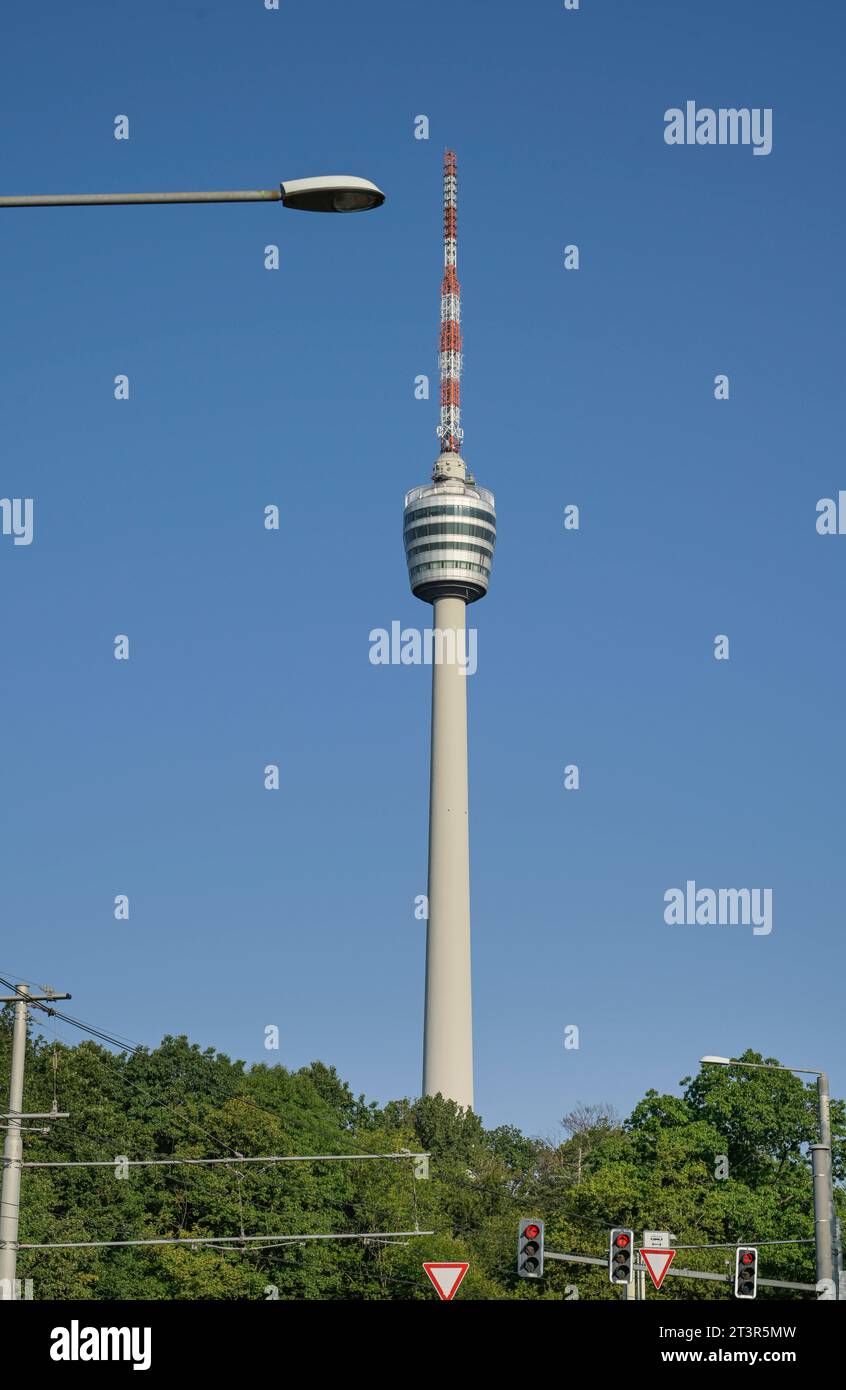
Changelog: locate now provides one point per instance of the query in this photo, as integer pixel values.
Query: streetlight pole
(826, 1144)
(69, 200)
(322, 193)
(825, 1215)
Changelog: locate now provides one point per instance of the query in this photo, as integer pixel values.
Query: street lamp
(324, 193)
(821, 1166)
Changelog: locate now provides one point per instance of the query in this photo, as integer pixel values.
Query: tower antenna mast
(449, 430)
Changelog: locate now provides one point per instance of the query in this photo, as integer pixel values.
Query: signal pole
(10, 1196)
(827, 1181)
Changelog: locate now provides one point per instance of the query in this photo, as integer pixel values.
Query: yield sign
(657, 1262)
(446, 1278)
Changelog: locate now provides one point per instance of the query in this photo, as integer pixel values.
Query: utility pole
(10, 1196)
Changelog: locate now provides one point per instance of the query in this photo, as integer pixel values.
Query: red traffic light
(746, 1272)
(621, 1256)
(530, 1248)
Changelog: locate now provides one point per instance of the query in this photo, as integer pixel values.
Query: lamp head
(332, 193)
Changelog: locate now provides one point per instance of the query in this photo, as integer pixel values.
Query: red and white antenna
(450, 432)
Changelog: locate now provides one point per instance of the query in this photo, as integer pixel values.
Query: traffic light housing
(530, 1249)
(746, 1272)
(621, 1255)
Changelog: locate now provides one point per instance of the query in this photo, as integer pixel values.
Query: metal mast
(450, 431)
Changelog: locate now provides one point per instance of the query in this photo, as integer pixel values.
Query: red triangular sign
(657, 1263)
(446, 1278)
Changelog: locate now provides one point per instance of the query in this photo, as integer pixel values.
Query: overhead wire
(125, 1044)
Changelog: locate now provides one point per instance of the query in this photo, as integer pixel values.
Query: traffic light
(530, 1249)
(746, 1272)
(621, 1256)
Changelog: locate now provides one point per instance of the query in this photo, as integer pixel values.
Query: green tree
(664, 1167)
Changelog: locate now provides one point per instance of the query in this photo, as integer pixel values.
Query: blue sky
(250, 387)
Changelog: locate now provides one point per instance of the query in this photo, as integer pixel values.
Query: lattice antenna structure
(450, 432)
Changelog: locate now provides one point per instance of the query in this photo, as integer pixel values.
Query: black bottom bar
(652, 1337)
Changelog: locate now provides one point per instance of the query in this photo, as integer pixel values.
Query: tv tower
(449, 534)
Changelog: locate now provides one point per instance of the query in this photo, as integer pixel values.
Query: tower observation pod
(449, 534)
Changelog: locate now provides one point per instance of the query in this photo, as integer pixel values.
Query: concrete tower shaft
(448, 1025)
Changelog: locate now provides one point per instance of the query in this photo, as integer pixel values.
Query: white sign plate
(657, 1240)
